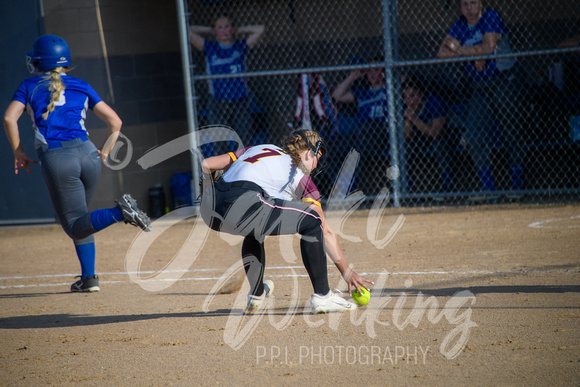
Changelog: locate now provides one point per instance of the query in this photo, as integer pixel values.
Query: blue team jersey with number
(468, 35)
(230, 59)
(67, 120)
(372, 104)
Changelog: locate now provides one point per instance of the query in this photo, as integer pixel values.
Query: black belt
(241, 184)
(246, 185)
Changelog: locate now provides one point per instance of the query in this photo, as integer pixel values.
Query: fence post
(189, 88)
(393, 132)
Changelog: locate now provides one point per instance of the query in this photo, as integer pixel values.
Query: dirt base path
(482, 296)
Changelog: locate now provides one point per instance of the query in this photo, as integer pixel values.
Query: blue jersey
(372, 104)
(67, 120)
(434, 107)
(468, 35)
(229, 59)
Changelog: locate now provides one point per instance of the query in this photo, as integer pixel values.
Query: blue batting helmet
(48, 52)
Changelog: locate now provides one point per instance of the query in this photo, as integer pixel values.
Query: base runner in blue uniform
(70, 162)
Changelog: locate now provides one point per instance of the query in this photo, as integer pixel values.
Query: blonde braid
(56, 86)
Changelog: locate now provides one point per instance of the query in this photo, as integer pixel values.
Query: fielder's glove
(207, 180)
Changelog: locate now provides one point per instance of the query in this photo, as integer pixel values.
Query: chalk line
(296, 275)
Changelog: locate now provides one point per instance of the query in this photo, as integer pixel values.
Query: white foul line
(406, 273)
(543, 223)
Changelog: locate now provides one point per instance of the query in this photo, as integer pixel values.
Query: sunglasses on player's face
(320, 152)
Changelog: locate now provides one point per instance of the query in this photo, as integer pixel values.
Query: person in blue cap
(70, 162)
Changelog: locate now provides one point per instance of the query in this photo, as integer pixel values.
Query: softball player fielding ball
(259, 195)
(70, 162)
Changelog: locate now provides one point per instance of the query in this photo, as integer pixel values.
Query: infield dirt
(470, 295)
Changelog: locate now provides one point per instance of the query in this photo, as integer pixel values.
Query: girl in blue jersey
(497, 89)
(371, 98)
(228, 103)
(372, 120)
(70, 162)
(424, 127)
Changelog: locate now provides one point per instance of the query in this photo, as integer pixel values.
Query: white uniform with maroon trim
(272, 169)
(259, 196)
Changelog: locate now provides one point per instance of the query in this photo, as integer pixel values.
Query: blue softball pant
(71, 173)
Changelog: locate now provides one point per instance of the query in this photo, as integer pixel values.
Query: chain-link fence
(442, 100)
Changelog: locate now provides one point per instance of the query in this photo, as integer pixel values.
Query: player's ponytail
(56, 87)
(291, 146)
(295, 143)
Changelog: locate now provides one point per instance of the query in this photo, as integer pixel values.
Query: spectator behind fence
(424, 128)
(497, 89)
(229, 101)
(372, 130)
